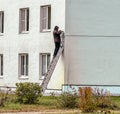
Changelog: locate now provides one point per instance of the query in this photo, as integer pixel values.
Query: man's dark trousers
(57, 46)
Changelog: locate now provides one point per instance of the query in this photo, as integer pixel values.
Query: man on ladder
(59, 46)
(57, 39)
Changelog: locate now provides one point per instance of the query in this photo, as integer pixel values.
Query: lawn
(116, 100)
(47, 104)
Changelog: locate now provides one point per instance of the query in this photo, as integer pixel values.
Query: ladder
(52, 65)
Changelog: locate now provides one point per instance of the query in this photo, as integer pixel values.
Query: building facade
(26, 41)
(92, 35)
(92, 30)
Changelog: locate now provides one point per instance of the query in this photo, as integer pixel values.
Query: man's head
(56, 28)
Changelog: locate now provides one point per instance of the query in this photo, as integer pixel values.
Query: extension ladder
(52, 65)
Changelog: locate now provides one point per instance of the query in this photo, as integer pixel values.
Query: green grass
(48, 101)
(45, 103)
(116, 100)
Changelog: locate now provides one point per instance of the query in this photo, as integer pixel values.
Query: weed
(92, 100)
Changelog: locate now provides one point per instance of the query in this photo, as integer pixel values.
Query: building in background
(92, 41)
(92, 56)
(26, 41)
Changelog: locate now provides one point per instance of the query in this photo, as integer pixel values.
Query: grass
(116, 100)
(46, 103)
(50, 101)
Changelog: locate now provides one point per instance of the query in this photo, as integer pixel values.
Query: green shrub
(28, 93)
(68, 100)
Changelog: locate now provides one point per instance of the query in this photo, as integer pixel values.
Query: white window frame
(1, 22)
(1, 65)
(23, 67)
(47, 63)
(45, 17)
(24, 21)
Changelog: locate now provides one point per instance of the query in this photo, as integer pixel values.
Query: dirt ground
(48, 112)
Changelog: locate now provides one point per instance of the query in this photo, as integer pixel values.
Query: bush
(102, 99)
(86, 100)
(28, 93)
(68, 100)
(91, 100)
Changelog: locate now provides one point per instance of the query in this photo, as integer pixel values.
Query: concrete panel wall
(92, 17)
(35, 42)
(92, 54)
(94, 61)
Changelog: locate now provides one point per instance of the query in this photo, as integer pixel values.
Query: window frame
(1, 65)
(47, 63)
(47, 18)
(24, 21)
(1, 22)
(23, 67)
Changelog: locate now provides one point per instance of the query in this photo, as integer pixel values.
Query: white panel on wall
(93, 60)
(32, 42)
(93, 17)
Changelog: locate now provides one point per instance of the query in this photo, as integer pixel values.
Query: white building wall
(92, 55)
(12, 43)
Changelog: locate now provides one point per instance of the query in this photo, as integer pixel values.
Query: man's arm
(57, 32)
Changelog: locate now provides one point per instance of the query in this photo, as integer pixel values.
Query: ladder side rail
(62, 36)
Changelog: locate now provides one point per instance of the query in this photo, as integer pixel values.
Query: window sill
(23, 77)
(1, 34)
(42, 77)
(46, 30)
(1, 77)
(24, 32)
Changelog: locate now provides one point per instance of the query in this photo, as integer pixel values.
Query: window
(45, 18)
(1, 21)
(24, 20)
(1, 64)
(45, 61)
(23, 64)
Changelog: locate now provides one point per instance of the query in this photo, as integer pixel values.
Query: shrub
(27, 92)
(91, 100)
(68, 100)
(86, 99)
(102, 99)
